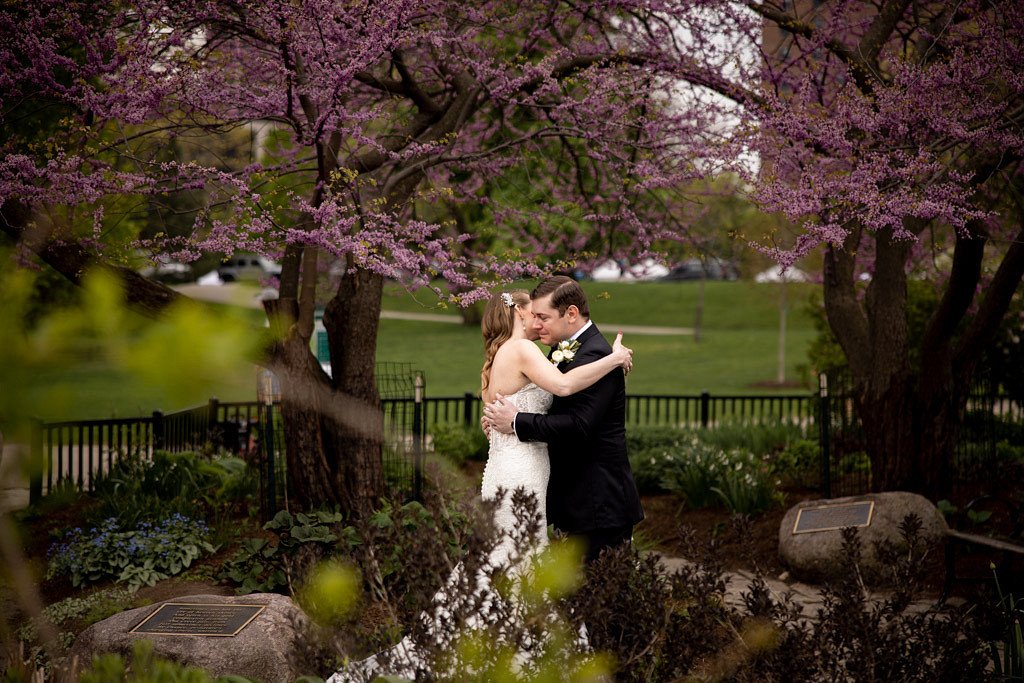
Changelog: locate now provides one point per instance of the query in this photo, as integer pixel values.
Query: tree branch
(72, 260)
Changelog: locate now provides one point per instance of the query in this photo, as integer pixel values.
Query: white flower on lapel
(565, 352)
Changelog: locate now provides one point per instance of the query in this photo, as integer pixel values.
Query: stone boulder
(817, 556)
(262, 651)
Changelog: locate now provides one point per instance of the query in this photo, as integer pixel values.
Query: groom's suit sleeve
(589, 407)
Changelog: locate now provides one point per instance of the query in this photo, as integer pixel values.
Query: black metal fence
(81, 451)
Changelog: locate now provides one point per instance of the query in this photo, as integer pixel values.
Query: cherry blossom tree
(376, 108)
(891, 133)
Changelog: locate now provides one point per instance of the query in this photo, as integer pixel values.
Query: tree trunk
(305, 390)
(351, 319)
(911, 436)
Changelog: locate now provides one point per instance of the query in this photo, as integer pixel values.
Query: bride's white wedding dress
(511, 465)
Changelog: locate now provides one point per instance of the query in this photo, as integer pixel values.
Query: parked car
(163, 269)
(247, 267)
(708, 269)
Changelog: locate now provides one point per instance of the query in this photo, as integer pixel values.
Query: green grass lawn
(738, 347)
(737, 350)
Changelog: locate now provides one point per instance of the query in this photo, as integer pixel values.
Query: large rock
(262, 651)
(817, 556)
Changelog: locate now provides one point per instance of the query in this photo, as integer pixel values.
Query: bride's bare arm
(544, 374)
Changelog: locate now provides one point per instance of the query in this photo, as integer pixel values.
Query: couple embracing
(556, 429)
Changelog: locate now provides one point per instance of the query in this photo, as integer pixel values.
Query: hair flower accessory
(507, 298)
(565, 352)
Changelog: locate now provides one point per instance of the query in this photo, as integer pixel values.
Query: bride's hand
(622, 354)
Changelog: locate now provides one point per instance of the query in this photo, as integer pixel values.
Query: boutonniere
(565, 351)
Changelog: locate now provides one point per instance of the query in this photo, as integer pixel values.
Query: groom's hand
(501, 414)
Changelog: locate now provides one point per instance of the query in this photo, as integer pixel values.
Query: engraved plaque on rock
(198, 619)
(832, 517)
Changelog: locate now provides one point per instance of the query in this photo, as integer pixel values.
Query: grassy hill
(737, 349)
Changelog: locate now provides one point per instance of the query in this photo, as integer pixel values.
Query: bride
(514, 367)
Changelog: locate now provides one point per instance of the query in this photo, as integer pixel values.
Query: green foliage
(147, 668)
(1009, 666)
(263, 566)
(799, 463)
(762, 438)
(459, 443)
(94, 607)
(705, 468)
(143, 555)
(75, 613)
(137, 488)
(704, 475)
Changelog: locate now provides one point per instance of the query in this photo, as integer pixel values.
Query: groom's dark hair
(564, 291)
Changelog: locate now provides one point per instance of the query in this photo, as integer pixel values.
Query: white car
(247, 267)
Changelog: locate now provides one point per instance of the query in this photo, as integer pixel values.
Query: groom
(591, 493)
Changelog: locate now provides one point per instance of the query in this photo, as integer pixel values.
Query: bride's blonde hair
(497, 324)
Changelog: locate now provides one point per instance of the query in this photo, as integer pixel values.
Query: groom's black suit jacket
(591, 484)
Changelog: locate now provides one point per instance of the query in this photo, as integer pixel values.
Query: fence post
(824, 429)
(705, 408)
(37, 463)
(270, 452)
(158, 431)
(417, 437)
(211, 434)
(468, 400)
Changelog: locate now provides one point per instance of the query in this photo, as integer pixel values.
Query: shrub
(703, 475)
(459, 443)
(143, 555)
(652, 468)
(67, 618)
(639, 439)
(656, 625)
(857, 640)
(760, 439)
(799, 463)
(301, 540)
(137, 489)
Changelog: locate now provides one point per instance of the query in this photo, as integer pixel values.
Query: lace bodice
(513, 464)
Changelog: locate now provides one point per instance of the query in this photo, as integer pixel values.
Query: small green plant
(145, 667)
(748, 488)
(144, 555)
(266, 566)
(1009, 666)
(705, 475)
(459, 443)
(90, 609)
(798, 464)
(653, 467)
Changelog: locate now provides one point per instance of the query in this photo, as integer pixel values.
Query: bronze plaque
(831, 517)
(198, 619)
